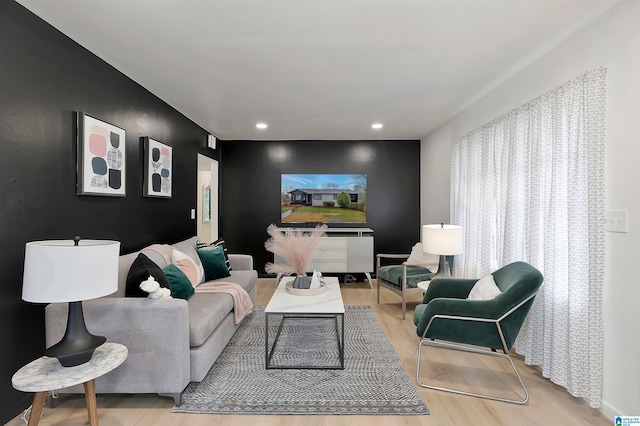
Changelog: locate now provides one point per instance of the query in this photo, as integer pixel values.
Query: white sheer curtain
(530, 186)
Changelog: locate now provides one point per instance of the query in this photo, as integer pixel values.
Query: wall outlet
(617, 221)
(193, 213)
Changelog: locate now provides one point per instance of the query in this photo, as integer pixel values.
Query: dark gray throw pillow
(140, 270)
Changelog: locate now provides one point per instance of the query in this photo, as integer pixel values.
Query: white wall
(612, 41)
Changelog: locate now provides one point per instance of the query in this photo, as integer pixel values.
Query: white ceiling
(319, 69)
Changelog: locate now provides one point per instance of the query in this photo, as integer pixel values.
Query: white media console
(346, 250)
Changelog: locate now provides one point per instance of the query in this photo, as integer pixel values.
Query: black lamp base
(77, 345)
(443, 272)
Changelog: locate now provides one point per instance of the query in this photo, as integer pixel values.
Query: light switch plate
(193, 213)
(617, 221)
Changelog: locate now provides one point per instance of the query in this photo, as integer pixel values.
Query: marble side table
(45, 374)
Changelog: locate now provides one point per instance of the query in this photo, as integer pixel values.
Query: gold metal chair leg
(453, 346)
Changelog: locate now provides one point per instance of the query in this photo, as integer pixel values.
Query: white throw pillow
(191, 252)
(418, 256)
(188, 266)
(484, 289)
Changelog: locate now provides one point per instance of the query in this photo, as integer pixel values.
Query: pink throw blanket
(242, 305)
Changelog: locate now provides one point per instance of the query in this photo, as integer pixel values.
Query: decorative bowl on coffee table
(305, 291)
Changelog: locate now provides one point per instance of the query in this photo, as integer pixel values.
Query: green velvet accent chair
(446, 319)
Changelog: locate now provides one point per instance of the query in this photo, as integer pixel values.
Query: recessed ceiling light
(376, 126)
(261, 125)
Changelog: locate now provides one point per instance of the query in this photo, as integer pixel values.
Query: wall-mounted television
(323, 198)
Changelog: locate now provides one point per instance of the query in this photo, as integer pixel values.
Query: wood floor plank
(548, 405)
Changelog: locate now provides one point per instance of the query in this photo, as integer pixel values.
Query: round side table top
(423, 285)
(46, 373)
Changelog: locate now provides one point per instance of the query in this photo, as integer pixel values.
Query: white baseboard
(610, 411)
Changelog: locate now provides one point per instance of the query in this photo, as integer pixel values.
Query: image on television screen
(323, 198)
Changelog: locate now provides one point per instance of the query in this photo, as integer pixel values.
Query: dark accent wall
(250, 188)
(44, 78)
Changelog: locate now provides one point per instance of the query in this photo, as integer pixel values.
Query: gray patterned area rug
(372, 383)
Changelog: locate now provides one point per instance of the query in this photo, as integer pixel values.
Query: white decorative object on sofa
(151, 286)
(484, 289)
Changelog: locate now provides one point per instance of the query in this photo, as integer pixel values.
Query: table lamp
(443, 240)
(71, 271)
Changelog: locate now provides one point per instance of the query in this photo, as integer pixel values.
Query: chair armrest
(381, 256)
(457, 288)
(155, 332)
(486, 309)
(429, 266)
(392, 256)
(241, 262)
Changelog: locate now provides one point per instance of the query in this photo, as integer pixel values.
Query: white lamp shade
(442, 239)
(58, 271)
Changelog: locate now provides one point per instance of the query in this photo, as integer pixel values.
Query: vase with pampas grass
(296, 249)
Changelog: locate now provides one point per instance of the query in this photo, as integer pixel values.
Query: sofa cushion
(188, 266)
(392, 274)
(180, 285)
(124, 265)
(206, 312)
(159, 253)
(139, 271)
(217, 243)
(214, 263)
(191, 252)
(245, 279)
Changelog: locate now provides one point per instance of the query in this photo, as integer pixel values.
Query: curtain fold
(530, 186)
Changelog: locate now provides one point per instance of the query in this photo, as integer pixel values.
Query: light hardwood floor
(548, 404)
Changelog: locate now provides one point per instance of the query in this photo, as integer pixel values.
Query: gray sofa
(171, 342)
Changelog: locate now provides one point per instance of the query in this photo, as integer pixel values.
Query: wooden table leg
(92, 405)
(36, 408)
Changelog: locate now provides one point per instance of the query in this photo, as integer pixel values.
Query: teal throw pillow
(181, 287)
(214, 263)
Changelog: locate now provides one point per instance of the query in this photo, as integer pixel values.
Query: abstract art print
(101, 158)
(157, 168)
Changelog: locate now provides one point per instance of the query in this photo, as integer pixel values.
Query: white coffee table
(45, 374)
(294, 307)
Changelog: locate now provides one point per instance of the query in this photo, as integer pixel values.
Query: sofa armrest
(155, 332)
(241, 262)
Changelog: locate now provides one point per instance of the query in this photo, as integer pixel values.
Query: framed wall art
(158, 159)
(206, 202)
(101, 158)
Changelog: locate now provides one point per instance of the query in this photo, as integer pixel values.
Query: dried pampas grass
(295, 247)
